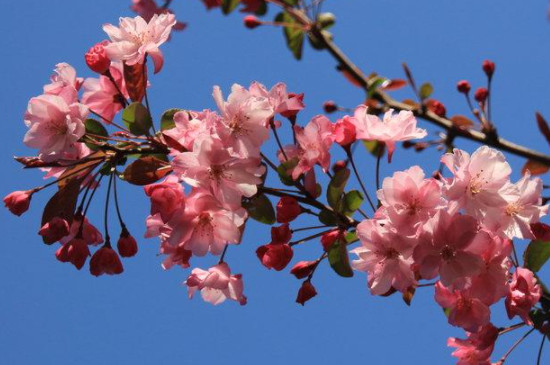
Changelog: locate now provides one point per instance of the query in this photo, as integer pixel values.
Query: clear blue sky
(52, 314)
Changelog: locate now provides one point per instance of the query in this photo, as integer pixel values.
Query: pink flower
(54, 230)
(344, 131)
(18, 202)
(523, 207)
(90, 234)
(148, 8)
(135, 38)
(444, 248)
(177, 255)
(314, 142)
(386, 256)
(464, 310)
(216, 285)
(478, 179)
(245, 118)
(105, 261)
(166, 197)
(189, 126)
(64, 83)
(102, 96)
(283, 103)
(211, 167)
(205, 225)
(75, 251)
(393, 128)
(524, 293)
(54, 126)
(410, 199)
(477, 348)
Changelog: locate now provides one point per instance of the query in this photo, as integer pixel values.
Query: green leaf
(283, 170)
(339, 259)
(294, 35)
(336, 187)
(536, 255)
(229, 5)
(378, 82)
(260, 209)
(351, 237)
(291, 2)
(373, 147)
(426, 90)
(352, 202)
(137, 119)
(97, 129)
(167, 119)
(327, 217)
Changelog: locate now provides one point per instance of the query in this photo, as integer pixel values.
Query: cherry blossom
(216, 285)
(135, 38)
(64, 82)
(524, 294)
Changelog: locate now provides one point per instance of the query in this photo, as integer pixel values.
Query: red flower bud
(328, 239)
(281, 234)
(54, 230)
(306, 292)
(18, 202)
(275, 255)
(481, 94)
(488, 68)
(463, 87)
(127, 245)
(288, 209)
(96, 58)
(303, 269)
(105, 261)
(75, 251)
(251, 22)
(344, 132)
(436, 107)
(330, 106)
(339, 165)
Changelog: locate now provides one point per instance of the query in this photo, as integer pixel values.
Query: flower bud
(303, 269)
(54, 230)
(306, 292)
(339, 165)
(96, 58)
(436, 107)
(330, 106)
(288, 209)
(251, 22)
(127, 245)
(344, 132)
(488, 68)
(75, 251)
(18, 202)
(463, 86)
(281, 234)
(328, 239)
(275, 255)
(105, 261)
(481, 94)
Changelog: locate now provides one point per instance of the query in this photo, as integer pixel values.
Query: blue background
(52, 314)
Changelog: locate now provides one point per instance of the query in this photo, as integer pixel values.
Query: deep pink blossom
(477, 348)
(444, 248)
(211, 167)
(344, 131)
(135, 38)
(464, 310)
(105, 261)
(282, 102)
(392, 128)
(166, 197)
(189, 126)
(216, 285)
(18, 202)
(385, 256)
(54, 230)
(524, 293)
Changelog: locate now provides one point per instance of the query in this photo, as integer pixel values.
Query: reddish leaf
(32, 162)
(394, 84)
(408, 295)
(461, 121)
(172, 143)
(82, 169)
(349, 76)
(543, 127)
(146, 170)
(63, 203)
(136, 81)
(408, 73)
(535, 168)
(412, 103)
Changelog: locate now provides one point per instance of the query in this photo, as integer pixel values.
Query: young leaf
(327, 217)
(339, 259)
(426, 90)
(137, 119)
(543, 127)
(167, 119)
(395, 84)
(536, 255)
(260, 209)
(461, 121)
(146, 170)
(294, 35)
(136, 81)
(352, 202)
(535, 168)
(336, 187)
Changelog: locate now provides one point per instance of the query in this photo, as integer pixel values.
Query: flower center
(447, 253)
(513, 209)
